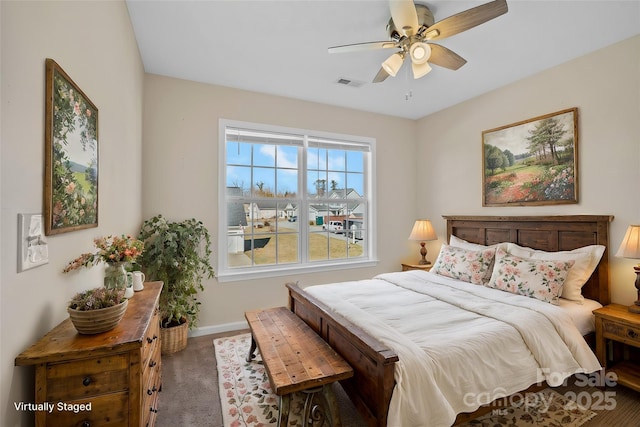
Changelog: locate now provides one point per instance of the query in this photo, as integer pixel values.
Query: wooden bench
(297, 360)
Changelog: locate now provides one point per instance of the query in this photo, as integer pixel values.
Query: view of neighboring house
(319, 213)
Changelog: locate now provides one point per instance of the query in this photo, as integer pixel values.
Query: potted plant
(177, 253)
(97, 310)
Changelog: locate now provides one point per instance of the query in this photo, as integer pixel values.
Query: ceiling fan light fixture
(393, 63)
(420, 70)
(420, 52)
(431, 34)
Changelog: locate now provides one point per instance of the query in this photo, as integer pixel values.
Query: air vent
(349, 82)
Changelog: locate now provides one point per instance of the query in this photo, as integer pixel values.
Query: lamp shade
(420, 52)
(630, 246)
(423, 231)
(420, 70)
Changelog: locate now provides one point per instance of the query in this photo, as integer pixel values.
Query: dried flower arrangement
(97, 298)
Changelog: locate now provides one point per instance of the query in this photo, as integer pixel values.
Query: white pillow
(585, 259)
(461, 243)
(534, 278)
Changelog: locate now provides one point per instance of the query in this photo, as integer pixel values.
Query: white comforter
(460, 345)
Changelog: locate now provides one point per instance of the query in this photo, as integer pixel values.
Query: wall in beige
(605, 87)
(94, 43)
(180, 175)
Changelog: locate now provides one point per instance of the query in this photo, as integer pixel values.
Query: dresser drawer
(87, 377)
(152, 382)
(624, 333)
(151, 377)
(151, 340)
(107, 410)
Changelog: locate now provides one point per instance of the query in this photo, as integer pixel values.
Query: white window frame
(226, 273)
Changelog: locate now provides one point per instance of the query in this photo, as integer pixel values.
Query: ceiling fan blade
(381, 76)
(445, 57)
(465, 20)
(404, 15)
(359, 47)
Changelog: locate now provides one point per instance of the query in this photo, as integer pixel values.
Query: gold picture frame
(532, 162)
(71, 155)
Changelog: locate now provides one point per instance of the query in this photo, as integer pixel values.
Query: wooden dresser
(107, 379)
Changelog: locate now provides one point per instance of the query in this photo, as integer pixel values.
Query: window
(291, 199)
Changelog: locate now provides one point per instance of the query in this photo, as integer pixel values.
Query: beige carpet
(247, 399)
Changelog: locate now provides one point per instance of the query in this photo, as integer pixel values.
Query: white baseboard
(217, 329)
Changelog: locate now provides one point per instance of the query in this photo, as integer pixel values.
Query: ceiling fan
(411, 30)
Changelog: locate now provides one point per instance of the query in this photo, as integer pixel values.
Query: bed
(371, 388)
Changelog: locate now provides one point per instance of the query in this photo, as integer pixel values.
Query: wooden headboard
(547, 233)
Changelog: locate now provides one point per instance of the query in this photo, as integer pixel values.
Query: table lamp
(423, 231)
(630, 248)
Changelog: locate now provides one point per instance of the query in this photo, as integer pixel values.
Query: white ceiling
(280, 47)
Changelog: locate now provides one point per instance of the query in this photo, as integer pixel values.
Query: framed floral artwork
(71, 155)
(532, 162)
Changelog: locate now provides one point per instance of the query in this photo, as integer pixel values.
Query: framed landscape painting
(71, 155)
(533, 162)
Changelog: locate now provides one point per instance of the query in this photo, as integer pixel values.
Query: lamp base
(423, 253)
(635, 307)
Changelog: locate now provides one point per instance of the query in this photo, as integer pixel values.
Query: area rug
(245, 392)
(247, 400)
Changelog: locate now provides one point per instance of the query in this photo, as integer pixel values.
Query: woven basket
(174, 339)
(97, 321)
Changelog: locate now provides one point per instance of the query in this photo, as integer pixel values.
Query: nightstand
(615, 323)
(424, 267)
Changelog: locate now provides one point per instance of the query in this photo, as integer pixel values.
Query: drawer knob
(152, 363)
(86, 424)
(155, 411)
(86, 381)
(632, 334)
(149, 391)
(149, 340)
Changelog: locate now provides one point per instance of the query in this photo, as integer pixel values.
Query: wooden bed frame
(371, 386)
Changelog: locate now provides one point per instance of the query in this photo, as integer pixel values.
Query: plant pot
(174, 339)
(97, 321)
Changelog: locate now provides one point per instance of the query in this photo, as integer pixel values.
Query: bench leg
(320, 407)
(285, 404)
(252, 349)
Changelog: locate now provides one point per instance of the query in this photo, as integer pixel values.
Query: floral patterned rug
(247, 400)
(245, 392)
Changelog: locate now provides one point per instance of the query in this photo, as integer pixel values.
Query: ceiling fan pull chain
(407, 80)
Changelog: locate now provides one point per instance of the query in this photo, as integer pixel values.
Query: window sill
(280, 271)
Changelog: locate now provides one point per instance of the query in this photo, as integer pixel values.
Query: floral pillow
(586, 260)
(466, 265)
(534, 278)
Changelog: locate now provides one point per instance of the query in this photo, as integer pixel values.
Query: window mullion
(303, 211)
